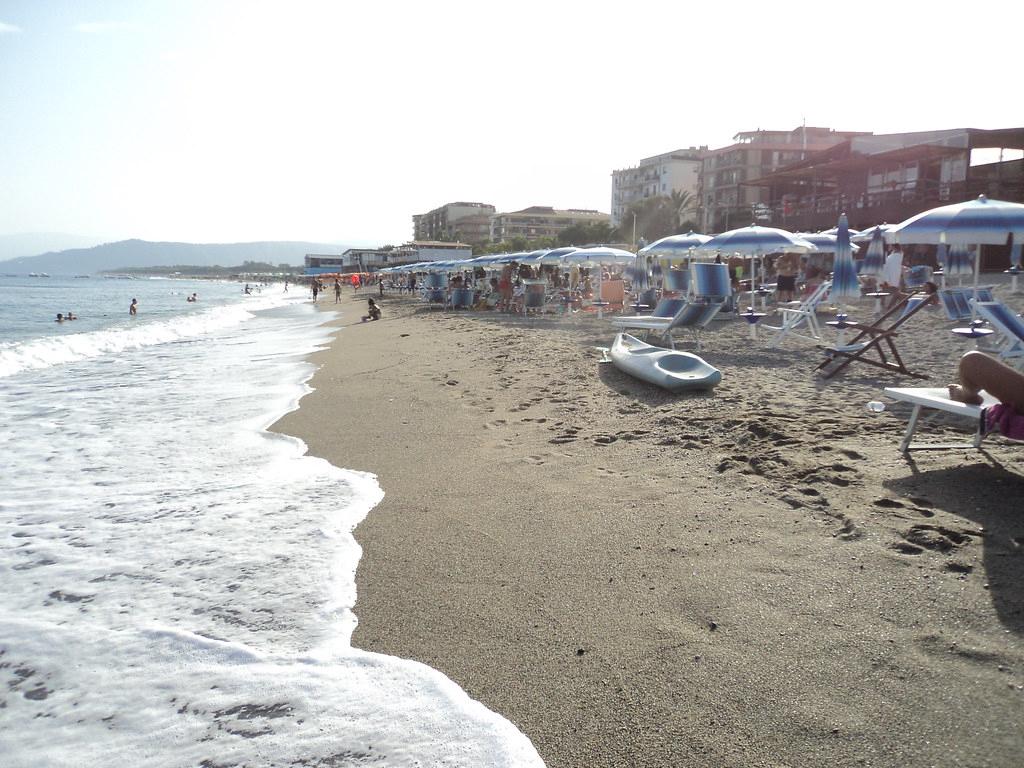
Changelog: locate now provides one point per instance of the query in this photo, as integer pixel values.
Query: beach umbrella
(557, 255)
(1015, 266)
(675, 246)
(874, 258)
(865, 235)
(975, 222)
(844, 276)
(599, 256)
(639, 273)
(823, 241)
(756, 241)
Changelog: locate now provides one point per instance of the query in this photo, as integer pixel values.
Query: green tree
(584, 234)
(656, 217)
(685, 205)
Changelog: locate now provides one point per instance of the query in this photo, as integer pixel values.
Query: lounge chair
(872, 337)
(677, 281)
(535, 296)
(671, 315)
(800, 318)
(956, 302)
(461, 298)
(1007, 324)
(938, 398)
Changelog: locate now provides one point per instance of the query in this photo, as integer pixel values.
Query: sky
(229, 121)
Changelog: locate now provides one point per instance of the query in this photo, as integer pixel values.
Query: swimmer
(60, 318)
(134, 308)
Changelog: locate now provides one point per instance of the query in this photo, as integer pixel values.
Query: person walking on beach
(134, 308)
(337, 290)
(316, 289)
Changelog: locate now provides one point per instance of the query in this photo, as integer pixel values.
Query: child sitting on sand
(373, 311)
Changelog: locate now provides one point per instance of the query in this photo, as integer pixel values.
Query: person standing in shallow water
(134, 308)
(337, 290)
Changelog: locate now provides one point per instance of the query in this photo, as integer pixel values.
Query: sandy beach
(750, 577)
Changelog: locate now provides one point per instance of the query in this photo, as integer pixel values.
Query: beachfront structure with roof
(540, 221)
(455, 222)
(727, 200)
(890, 177)
(372, 259)
(657, 176)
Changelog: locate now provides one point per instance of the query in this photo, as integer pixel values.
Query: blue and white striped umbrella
(941, 254)
(639, 273)
(557, 255)
(975, 222)
(756, 241)
(678, 246)
(825, 242)
(958, 261)
(874, 257)
(844, 274)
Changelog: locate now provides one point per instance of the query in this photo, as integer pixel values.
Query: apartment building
(455, 222)
(541, 221)
(728, 199)
(655, 176)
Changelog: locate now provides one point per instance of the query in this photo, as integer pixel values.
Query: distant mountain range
(33, 243)
(142, 253)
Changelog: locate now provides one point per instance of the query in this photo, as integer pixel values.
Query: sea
(177, 583)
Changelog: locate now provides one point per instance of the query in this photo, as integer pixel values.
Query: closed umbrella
(958, 262)
(845, 284)
(874, 257)
(1014, 270)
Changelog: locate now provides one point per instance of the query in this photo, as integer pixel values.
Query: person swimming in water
(134, 308)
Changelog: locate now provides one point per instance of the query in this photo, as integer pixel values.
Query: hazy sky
(217, 121)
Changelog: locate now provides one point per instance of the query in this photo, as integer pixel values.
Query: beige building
(455, 222)
(657, 176)
(541, 221)
(727, 200)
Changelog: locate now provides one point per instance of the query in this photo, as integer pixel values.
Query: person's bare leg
(979, 372)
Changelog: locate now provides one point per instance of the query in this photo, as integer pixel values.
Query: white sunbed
(938, 398)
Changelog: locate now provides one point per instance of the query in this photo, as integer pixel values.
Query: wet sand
(751, 577)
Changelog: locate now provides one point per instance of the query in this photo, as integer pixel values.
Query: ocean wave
(37, 354)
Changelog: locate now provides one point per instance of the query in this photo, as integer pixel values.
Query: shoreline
(753, 577)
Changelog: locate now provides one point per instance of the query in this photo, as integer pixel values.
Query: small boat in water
(667, 368)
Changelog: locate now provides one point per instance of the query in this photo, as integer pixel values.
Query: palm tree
(684, 204)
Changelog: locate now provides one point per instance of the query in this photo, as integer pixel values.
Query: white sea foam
(178, 584)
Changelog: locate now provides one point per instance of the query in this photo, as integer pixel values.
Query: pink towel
(1003, 418)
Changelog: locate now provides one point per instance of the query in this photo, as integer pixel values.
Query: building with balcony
(455, 222)
(890, 177)
(540, 221)
(677, 171)
(728, 199)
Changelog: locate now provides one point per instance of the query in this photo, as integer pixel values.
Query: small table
(638, 306)
(973, 332)
(877, 296)
(752, 318)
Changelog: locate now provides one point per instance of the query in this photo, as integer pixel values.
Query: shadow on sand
(992, 498)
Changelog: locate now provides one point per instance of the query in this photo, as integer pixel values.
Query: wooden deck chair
(1007, 324)
(872, 338)
(613, 293)
(800, 318)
